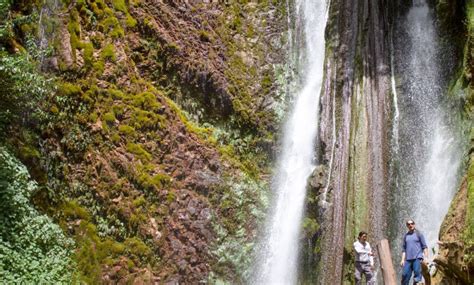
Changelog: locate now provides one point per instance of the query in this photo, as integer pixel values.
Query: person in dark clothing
(414, 252)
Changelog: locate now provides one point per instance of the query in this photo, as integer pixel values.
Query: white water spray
(279, 254)
(429, 149)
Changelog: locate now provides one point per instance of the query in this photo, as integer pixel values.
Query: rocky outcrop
(455, 260)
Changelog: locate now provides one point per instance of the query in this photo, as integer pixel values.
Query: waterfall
(278, 256)
(429, 152)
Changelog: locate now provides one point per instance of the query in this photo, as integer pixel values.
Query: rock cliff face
(349, 191)
(155, 147)
(354, 135)
(455, 259)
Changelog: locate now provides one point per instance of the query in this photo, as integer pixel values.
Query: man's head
(410, 225)
(362, 236)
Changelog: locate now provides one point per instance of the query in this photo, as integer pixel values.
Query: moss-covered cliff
(149, 128)
(456, 257)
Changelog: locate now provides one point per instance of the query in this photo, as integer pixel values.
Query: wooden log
(386, 264)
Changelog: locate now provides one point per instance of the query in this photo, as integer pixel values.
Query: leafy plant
(32, 248)
(22, 89)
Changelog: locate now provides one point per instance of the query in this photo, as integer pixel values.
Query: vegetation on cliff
(32, 248)
(148, 129)
(456, 257)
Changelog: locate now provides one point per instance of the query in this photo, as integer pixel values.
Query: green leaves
(22, 88)
(32, 248)
(5, 24)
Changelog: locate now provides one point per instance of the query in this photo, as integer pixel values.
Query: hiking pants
(410, 266)
(364, 268)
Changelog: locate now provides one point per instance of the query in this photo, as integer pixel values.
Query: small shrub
(22, 90)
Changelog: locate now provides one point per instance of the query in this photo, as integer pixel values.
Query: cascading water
(429, 151)
(277, 260)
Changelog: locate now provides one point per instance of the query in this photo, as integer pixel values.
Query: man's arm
(404, 248)
(424, 247)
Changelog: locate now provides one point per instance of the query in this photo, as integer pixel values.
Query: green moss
(93, 253)
(139, 202)
(173, 47)
(146, 101)
(139, 151)
(72, 210)
(171, 197)
(93, 117)
(127, 130)
(88, 97)
(87, 262)
(108, 53)
(88, 54)
(118, 110)
(54, 109)
(157, 181)
(115, 138)
(113, 247)
(130, 21)
(109, 118)
(116, 94)
(138, 249)
(113, 28)
(267, 83)
(97, 8)
(161, 179)
(146, 120)
(74, 29)
(99, 66)
(470, 201)
(68, 89)
(136, 219)
(470, 16)
(120, 5)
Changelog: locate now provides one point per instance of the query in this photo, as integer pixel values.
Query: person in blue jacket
(414, 252)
